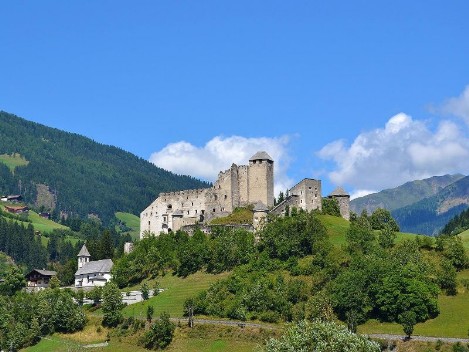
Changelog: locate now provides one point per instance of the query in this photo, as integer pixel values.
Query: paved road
(419, 338)
(272, 327)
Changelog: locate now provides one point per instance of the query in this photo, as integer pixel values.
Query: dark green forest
(457, 224)
(429, 216)
(86, 177)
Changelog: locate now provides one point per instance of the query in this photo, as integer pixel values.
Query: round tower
(261, 179)
(83, 257)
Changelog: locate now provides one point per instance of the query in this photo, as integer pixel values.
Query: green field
(176, 291)
(12, 161)
(39, 223)
(132, 221)
(337, 229)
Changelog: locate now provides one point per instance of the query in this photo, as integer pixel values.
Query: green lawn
(132, 221)
(177, 290)
(56, 344)
(465, 238)
(453, 320)
(337, 228)
(12, 161)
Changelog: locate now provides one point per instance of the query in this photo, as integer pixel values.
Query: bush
(269, 317)
(160, 334)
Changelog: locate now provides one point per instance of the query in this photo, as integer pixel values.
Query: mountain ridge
(85, 176)
(403, 195)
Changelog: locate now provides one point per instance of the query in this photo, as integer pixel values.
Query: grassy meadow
(176, 291)
(132, 221)
(12, 161)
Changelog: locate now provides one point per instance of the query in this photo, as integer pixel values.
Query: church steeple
(83, 257)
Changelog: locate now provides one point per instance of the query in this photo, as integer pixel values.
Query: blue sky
(362, 94)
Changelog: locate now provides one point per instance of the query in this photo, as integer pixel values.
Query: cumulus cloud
(219, 153)
(458, 106)
(404, 150)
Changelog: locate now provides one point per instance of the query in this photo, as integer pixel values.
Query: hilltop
(65, 172)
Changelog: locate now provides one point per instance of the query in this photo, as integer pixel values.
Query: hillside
(404, 195)
(62, 171)
(429, 215)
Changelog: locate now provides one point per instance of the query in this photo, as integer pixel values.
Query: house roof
(260, 207)
(84, 252)
(46, 272)
(261, 156)
(97, 266)
(339, 191)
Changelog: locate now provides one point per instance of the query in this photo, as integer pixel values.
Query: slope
(76, 174)
(429, 215)
(407, 194)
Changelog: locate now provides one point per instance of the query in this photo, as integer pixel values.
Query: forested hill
(404, 195)
(430, 215)
(61, 171)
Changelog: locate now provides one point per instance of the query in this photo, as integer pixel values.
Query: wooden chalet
(16, 209)
(38, 278)
(14, 198)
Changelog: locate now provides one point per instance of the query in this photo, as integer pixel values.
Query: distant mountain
(428, 216)
(65, 172)
(407, 194)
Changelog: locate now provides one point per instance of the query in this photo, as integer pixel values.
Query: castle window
(203, 211)
(188, 212)
(315, 195)
(216, 197)
(148, 223)
(192, 203)
(226, 196)
(196, 211)
(213, 210)
(170, 206)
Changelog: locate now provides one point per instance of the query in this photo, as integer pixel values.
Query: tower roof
(261, 156)
(339, 191)
(84, 252)
(260, 207)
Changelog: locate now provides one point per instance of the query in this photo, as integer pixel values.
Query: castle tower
(83, 257)
(343, 198)
(261, 179)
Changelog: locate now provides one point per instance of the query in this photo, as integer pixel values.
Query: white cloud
(219, 153)
(404, 150)
(361, 193)
(458, 106)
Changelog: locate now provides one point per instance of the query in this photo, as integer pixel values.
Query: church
(92, 273)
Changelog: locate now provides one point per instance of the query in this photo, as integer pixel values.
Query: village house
(92, 273)
(39, 279)
(16, 209)
(11, 198)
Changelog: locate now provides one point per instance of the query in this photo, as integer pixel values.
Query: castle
(238, 186)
